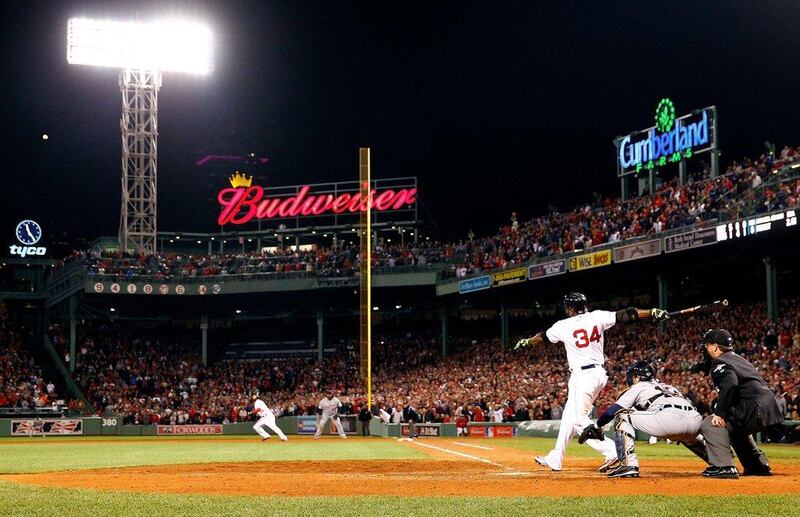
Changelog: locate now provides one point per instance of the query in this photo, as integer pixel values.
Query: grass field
(46, 454)
(51, 455)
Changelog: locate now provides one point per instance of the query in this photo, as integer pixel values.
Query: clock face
(29, 232)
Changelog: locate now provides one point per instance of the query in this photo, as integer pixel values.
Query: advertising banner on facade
(501, 431)
(590, 260)
(510, 276)
(536, 271)
(189, 429)
(637, 251)
(39, 427)
(306, 425)
(422, 429)
(490, 431)
(474, 284)
(476, 431)
(690, 240)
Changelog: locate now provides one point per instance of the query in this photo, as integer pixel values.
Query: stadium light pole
(142, 51)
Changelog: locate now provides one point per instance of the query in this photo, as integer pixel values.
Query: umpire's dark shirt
(744, 399)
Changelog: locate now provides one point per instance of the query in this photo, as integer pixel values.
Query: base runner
(265, 418)
(582, 334)
(654, 408)
(328, 409)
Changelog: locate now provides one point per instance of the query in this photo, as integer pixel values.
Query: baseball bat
(717, 305)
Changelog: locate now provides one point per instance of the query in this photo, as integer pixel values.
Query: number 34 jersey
(582, 336)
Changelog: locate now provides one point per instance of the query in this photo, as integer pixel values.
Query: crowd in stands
(606, 220)
(338, 261)
(149, 380)
(154, 378)
(745, 188)
(21, 383)
(531, 384)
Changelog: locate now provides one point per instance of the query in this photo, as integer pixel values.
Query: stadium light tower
(142, 51)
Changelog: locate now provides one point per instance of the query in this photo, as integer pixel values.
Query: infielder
(265, 418)
(654, 408)
(328, 409)
(582, 335)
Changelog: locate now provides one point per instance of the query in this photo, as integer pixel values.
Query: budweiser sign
(243, 202)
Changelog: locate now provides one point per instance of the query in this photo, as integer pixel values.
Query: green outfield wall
(113, 426)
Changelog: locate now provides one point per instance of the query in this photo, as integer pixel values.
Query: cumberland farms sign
(670, 140)
(244, 202)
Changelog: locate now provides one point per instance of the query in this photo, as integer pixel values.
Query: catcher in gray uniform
(654, 408)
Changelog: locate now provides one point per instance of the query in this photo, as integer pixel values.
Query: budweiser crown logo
(240, 180)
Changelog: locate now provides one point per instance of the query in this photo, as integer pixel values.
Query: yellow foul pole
(366, 270)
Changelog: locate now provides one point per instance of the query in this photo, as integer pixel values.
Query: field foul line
(464, 455)
(475, 446)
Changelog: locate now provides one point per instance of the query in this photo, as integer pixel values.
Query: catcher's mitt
(591, 432)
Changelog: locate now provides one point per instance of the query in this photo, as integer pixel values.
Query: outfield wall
(113, 426)
(302, 425)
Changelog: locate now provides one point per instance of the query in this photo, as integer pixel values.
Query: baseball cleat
(265, 439)
(608, 465)
(759, 472)
(624, 471)
(729, 472)
(284, 439)
(542, 460)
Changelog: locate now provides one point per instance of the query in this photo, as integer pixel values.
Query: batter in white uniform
(582, 334)
(329, 410)
(265, 418)
(654, 408)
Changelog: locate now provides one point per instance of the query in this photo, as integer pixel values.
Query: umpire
(745, 405)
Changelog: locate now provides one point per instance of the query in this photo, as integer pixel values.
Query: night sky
(493, 106)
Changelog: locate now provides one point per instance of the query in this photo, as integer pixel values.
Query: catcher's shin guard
(698, 448)
(624, 439)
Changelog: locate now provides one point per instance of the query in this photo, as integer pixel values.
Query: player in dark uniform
(745, 406)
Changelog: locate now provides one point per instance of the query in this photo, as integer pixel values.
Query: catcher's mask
(641, 369)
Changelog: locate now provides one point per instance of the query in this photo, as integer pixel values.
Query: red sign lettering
(241, 205)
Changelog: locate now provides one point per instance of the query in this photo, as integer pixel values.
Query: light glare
(164, 46)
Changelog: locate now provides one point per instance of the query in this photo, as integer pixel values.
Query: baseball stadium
(400, 258)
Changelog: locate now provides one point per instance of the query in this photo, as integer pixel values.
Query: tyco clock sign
(28, 233)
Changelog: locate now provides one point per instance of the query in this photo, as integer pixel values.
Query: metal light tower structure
(142, 51)
(139, 124)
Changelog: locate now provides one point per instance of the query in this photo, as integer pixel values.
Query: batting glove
(659, 314)
(521, 343)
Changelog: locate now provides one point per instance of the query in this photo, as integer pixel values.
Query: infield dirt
(451, 469)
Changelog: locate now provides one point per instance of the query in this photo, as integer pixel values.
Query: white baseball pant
(268, 420)
(324, 420)
(678, 425)
(584, 387)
